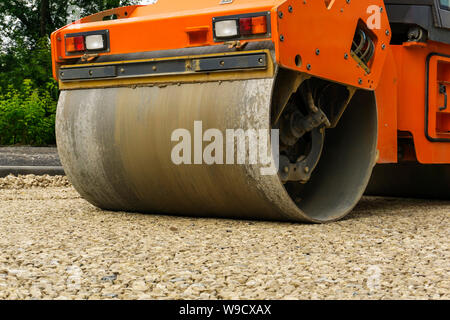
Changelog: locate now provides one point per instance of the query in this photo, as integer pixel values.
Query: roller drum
(115, 145)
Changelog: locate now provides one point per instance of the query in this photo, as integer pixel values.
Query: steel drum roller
(115, 145)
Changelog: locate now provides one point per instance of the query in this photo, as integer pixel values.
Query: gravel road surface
(54, 244)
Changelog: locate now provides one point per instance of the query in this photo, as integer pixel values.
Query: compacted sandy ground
(54, 244)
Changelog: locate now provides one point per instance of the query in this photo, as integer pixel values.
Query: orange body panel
(161, 26)
(323, 36)
(386, 97)
(305, 26)
(320, 34)
(411, 62)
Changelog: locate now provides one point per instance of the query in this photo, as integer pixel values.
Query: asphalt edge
(26, 170)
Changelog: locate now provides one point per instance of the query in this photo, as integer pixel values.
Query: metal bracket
(179, 66)
(302, 170)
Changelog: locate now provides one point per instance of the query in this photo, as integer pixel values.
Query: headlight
(95, 42)
(226, 29)
(84, 42)
(243, 26)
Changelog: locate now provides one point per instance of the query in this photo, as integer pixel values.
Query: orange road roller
(286, 110)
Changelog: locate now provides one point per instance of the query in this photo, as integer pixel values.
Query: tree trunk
(44, 17)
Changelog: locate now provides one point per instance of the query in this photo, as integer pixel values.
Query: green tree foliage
(34, 19)
(28, 94)
(27, 115)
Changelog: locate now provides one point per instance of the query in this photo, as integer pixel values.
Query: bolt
(90, 72)
(122, 70)
(290, 9)
(306, 169)
(154, 68)
(387, 32)
(317, 51)
(348, 1)
(222, 63)
(280, 14)
(260, 60)
(381, 9)
(346, 56)
(360, 81)
(286, 169)
(383, 46)
(308, 67)
(281, 38)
